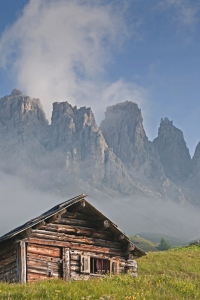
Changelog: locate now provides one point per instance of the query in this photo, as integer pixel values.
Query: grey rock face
(124, 133)
(174, 154)
(192, 185)
(22, 129)
(71, 151)
(18, 110)
(73, 154)
(80, 146)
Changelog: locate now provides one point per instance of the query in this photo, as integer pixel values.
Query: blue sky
(98, 53)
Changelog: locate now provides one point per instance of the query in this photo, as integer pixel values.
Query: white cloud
(59, 51)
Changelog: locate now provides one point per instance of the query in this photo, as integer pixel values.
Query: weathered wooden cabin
(73, 240)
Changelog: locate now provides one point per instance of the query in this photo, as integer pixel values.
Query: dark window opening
(99, 266)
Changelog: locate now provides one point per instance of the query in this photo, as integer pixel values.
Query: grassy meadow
(172, 274)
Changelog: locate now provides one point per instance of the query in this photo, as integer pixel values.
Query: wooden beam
(39, 225)
(75, 215)
(55, 217)
(129, 247)
(120, 237)
(21, 262)
(103, 225)
(77, 206)
(43, 234)
(74, 222)
(66, 264)
(75, 246)
(23, 235)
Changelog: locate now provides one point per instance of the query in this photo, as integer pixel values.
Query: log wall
(8, 263)
(46, 248)
(43, 262)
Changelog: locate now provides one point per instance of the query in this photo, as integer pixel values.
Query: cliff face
(70, 151)
(79, 144)
(192, 185)
(124, 133)
(17, 110)
(23, 128)
(174, 154)
(73, 154)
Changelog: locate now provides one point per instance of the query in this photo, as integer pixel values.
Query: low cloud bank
(19, 204)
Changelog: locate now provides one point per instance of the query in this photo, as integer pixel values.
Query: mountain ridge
(72, 151)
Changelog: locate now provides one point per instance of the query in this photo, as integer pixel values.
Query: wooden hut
(73, 240)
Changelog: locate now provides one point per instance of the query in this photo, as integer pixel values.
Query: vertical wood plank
(21, 262)
(66, 264)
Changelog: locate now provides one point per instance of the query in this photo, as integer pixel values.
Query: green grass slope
(166, 275)
(156, 237)
(143, 244)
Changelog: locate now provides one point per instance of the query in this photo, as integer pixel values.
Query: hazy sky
(97, 53)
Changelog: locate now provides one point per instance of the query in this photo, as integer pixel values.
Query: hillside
(143, 243)
(156, 237)
(172, 274)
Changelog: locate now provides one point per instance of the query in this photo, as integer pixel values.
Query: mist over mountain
(115, 163)
(73, 151)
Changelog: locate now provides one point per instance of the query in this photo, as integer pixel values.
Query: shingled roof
(58, 208)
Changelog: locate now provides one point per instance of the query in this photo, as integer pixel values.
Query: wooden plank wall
(8, 263)
(43, 262)
(76, 232)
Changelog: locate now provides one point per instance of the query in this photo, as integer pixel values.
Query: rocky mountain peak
(123, 130)
(173, 151)
(68, 122)
(20, 110)
(65, 112)
(16, 92)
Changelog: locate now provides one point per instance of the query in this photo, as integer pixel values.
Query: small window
(99, 266)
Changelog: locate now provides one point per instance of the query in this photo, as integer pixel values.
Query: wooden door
(43, 262)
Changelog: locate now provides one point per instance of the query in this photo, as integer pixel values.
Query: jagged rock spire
(16, 92)
(173, 151)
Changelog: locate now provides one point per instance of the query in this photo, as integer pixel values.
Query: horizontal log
(50, 251)
(75, 215)
(7, 252)
(22, 235)
(74, 268)
(42, 271)
(55, 217)
(10, 276)
(103, 255)
(44, 257)
(8, 267)
(75, 257)
(37, 262)
(69, 229)
(35, 276)
(129, 247)
(43, 267)
(79, 206)
(74, 222)
(75, 246)
(75, 262)
(103, 225)
(8, 260)
(72, 238)
(120, 237)
(78, 230)
(39, 225)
